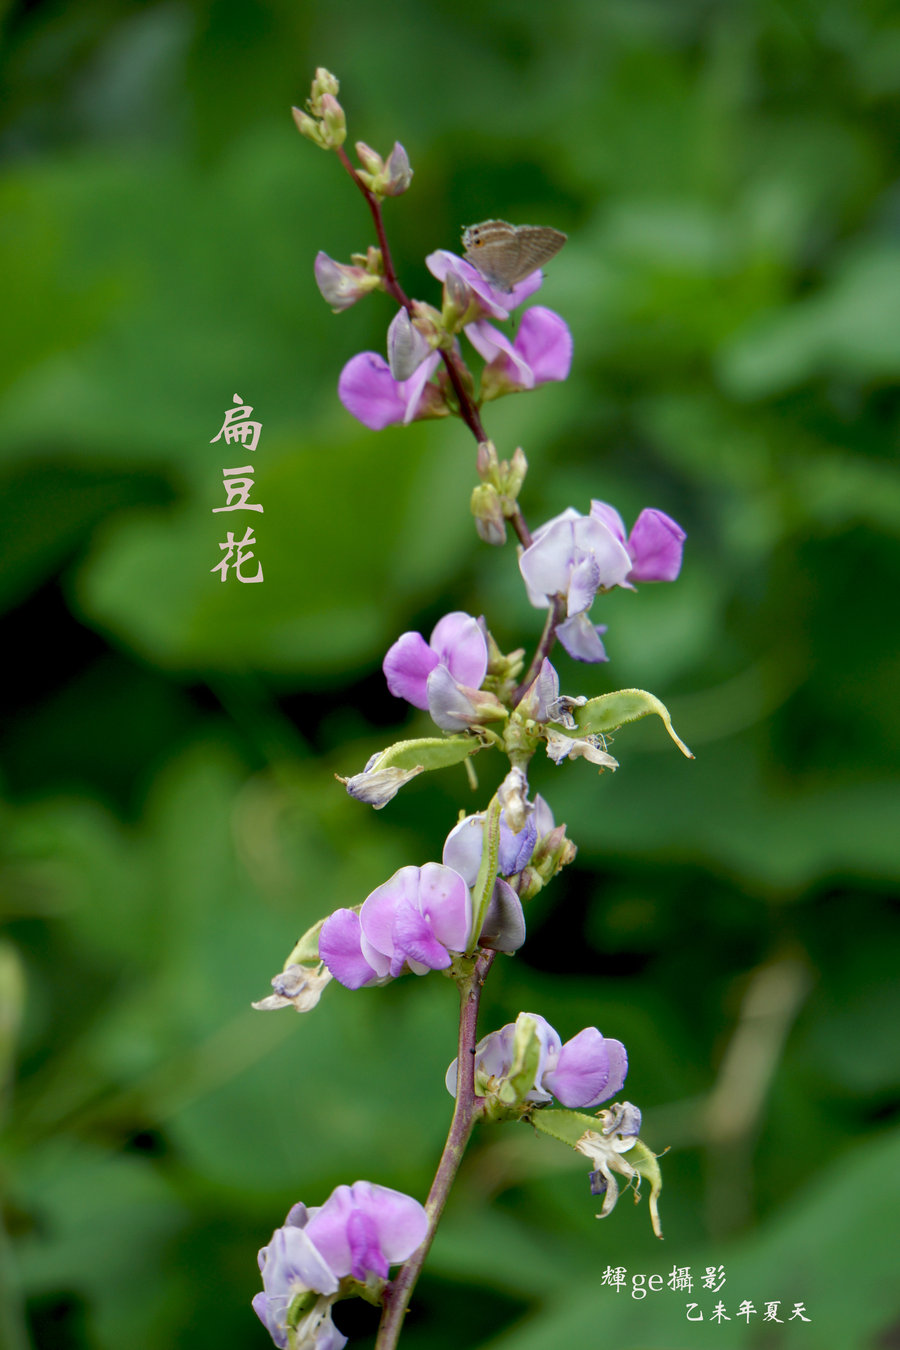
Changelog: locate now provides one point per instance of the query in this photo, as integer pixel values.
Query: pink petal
(460, 645)
(407, 666)
(545, 344)
(369, 391)
(655, 545)
(340, 949)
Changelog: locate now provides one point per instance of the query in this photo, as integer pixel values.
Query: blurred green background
(727, 174)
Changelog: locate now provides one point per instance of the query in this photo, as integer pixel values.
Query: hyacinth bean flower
(370, 388)
(443, 676)
(414, 920)
(503, 929)
(540, 352)
(370, 393)
(464, 846)
(587, 1070)
(542, 348)
(360, 1231)
(576, 556)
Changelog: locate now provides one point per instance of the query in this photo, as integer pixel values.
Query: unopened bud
(341, 286)
(398, 173)
(406, 346)
(516, 470)
(369, 158)
(334, 122)
(323, 83)
(486, 461)
(457, 301)
(488, 512)
(308, 127)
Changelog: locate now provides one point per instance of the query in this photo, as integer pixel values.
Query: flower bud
(502, 667)
(487, 509)
(341, 286)
(323, 83)
(398, 174)
(457, 302)
(308, 127)
(384, 179)
(406, 346)
(334, 122)
(487, 462)
(369, 158)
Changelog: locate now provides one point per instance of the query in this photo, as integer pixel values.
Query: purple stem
(399, 1291)
(467, 409)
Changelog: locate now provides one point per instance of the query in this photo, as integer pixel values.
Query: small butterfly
(505, 254)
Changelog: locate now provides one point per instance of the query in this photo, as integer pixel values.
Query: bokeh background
(728, 177)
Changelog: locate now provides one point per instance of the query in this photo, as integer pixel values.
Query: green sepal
(306, 948)
(487, 872)
(299, 1306)
(516, 1086)
(609, 711)
(429, 752)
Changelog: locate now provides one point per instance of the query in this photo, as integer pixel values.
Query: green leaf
(609, 711)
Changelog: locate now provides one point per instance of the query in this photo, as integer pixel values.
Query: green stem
(399, 1291)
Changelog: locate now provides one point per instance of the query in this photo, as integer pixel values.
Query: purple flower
(457, 643)
(456, 707)
(414, 920)
(575, 556)
(498, 304)
(541, 351)
(369, 391)
(585, 1071)
(465, 843)
(503, 929)
(360, 1231)
(655, 545)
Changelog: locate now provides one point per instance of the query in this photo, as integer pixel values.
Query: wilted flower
(298, 986)
(359, 1232)
(620, 1126)
(560, 747)
(585, 1071)
(542, 701)
(376, 787)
